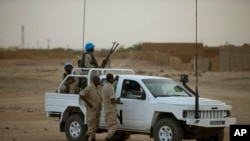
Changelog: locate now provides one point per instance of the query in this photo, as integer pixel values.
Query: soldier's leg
(98, 117)
(91, 122)
(111, 124)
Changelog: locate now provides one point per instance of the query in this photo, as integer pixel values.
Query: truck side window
(132, 90)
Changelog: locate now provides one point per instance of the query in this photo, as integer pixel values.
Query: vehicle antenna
(84, 13)
(196, 64)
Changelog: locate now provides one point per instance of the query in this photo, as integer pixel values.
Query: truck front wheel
(75, 128)
(167, 130)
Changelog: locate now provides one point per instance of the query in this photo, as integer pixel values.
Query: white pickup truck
(157, 106)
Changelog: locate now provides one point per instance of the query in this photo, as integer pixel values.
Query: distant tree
(121, 49)
(133, 47)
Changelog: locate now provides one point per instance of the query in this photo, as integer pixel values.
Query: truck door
(134, 105)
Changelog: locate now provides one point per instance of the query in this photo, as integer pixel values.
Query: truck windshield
(165, 88)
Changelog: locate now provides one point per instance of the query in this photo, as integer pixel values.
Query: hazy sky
(126, 21)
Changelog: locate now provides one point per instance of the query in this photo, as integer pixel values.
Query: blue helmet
(89, 46)
(67, 64)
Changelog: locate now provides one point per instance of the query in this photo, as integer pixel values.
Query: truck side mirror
(184, 78)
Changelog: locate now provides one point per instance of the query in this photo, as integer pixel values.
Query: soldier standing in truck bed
(88, 59)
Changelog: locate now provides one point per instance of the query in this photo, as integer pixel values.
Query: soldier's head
(68, 67)
(96, 80)
(89, 47)
(110, 78)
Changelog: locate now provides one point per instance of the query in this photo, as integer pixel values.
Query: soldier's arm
(113, 99)
(83, 94)
(86, 101)
(116, 101)
(64, 75)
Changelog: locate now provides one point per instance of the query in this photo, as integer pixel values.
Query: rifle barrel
(113, 48)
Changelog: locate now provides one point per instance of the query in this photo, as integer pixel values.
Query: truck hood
(188, 101)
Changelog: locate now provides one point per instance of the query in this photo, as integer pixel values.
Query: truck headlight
(184, 114)
(227, 114)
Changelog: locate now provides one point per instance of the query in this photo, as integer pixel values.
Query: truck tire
(75, 128)
(167, 129)
(121, 136)
(218, 137)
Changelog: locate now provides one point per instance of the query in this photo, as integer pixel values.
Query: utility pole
(37, 44)
(67, 46)
(84, 13)
(48, 44)
(22, 38)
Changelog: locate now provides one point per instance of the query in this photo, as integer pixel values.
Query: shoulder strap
(94, 62)
(83, 60)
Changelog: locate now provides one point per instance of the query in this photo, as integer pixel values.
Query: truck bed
(57, 103)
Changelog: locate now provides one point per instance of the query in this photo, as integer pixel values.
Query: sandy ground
(24, 82)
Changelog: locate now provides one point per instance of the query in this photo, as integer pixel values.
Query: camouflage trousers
(111, 121)
(93, 121)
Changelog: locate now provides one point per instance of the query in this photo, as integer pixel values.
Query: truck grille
(209, 114)
(212, 114)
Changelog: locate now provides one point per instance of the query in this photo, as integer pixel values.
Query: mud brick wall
(182, 56)
(234, 58)
(174, 49)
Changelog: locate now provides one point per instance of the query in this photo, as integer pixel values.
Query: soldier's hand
(104, 61)
(118, 101)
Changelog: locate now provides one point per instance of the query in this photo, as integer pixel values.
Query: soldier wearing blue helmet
(88, 59)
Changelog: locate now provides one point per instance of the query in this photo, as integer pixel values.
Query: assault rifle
(113, 48)
(115, 45)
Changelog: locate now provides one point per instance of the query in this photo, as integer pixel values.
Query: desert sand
(23, 84)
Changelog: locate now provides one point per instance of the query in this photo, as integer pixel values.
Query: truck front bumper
(223, 122)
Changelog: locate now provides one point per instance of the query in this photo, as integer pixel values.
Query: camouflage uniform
(90, 61)
(93, 94)
(110, 109)
(71, 85)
